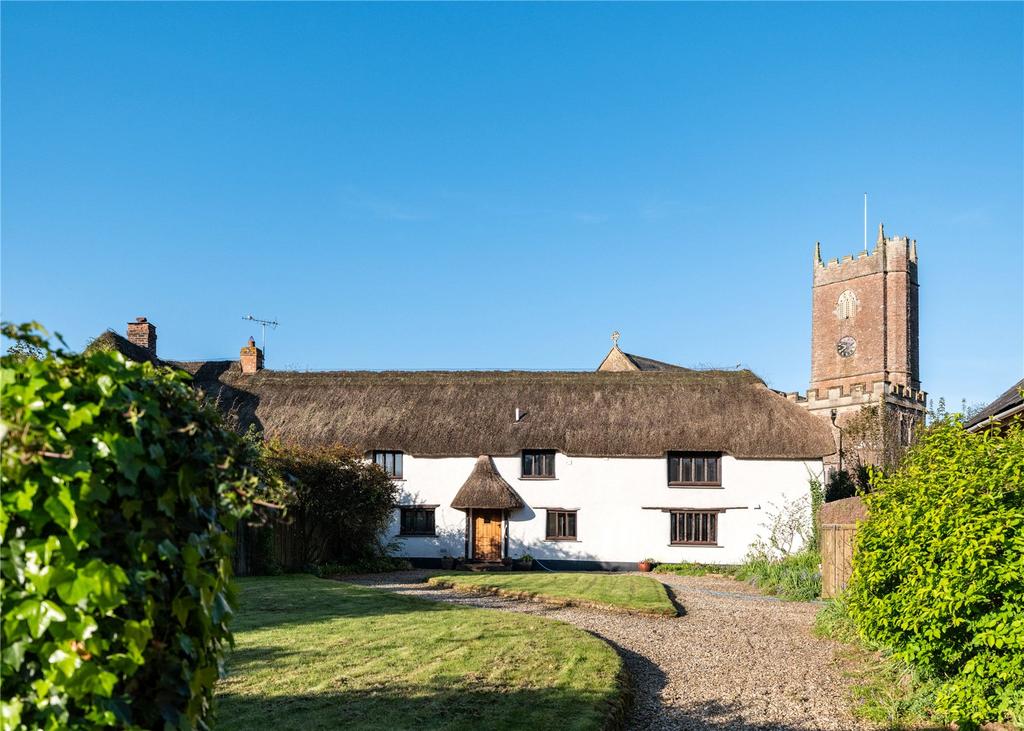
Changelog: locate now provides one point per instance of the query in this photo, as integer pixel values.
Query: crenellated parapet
(891, 254)
(861, 394)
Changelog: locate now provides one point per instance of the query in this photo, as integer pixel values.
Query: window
(538, 464)
(390, 462)
(561, 525)
(417, 522)
(694, 468)
(846, 306)
(694, 528)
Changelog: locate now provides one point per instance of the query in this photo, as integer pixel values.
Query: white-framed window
(846, 306)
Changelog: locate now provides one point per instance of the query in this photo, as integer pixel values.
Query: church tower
(864, 342)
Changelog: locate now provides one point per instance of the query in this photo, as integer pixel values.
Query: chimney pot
(251, 358)
(142, 333)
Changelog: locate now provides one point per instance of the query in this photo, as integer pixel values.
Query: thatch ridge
(486, 488)
(468, 413)
(110, 340)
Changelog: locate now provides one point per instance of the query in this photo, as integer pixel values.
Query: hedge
(120, 489)
(939, 568)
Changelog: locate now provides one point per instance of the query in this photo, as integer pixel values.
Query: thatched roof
(485, 488)
(463, 413)
(110, 340)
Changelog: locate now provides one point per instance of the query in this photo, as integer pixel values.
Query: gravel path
(735, 660)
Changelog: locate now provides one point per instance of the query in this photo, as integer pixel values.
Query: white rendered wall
(609, 495)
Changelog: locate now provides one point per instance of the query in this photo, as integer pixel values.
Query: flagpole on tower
(865, 222)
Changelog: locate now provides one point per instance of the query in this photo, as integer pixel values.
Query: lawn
(624, 593)
(318, 654)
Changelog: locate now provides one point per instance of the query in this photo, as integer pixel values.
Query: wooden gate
(836, 558)
(838, 522)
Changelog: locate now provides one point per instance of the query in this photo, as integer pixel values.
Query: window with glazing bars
(390, 462)
(538, 463)
(417, 522)
(561, 525)
(694, 528)
(693, 468)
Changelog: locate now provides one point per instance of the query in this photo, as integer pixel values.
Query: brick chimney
(143, 333)
(251, 358)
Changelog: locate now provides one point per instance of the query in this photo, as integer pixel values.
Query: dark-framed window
(694, 528)
(561, 525)
(538, 464)
(695, 468)
(417, 521)
(390, 462)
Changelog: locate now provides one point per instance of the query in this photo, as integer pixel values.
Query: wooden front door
(487, 535)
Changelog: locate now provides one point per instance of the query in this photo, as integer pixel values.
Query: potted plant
(647, 564)
(447, 562)
(525, 562)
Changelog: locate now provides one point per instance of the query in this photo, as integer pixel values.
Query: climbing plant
(120, 491)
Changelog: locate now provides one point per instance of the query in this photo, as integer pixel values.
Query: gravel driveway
(735, 660)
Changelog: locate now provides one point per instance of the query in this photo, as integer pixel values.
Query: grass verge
(316, 654)
(640, 594)
(886, 690)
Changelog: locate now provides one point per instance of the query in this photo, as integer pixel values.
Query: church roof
(618, 360)
(485, 488)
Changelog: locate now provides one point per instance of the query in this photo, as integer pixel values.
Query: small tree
(343, 503)
(120, 491)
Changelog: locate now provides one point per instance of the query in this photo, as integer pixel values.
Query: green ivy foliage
(120, 492)
(939, 568)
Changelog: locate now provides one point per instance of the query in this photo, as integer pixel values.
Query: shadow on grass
(436, 706)
(473, 709)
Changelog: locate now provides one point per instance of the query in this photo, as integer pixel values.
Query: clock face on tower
(846, 346)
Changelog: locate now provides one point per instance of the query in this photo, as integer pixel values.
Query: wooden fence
(838, 521)
(266, 541)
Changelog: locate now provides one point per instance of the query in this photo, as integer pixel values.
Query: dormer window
(538, 464)
(694, 469)
(390, 462)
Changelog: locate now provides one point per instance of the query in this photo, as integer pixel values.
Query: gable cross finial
(615, 339)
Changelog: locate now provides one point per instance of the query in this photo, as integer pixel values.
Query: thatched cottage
(579, 469)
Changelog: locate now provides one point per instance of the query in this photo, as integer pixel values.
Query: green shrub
(119, 493)
(342, 503)
(786, 563)
(379, 565)
(795, 577)
(939, 569)
(693, 569)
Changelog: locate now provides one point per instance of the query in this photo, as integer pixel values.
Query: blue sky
(469, 186)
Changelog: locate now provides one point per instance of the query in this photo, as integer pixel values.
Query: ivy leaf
(39, 614)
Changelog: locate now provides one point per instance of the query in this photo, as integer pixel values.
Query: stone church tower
(864, 347)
